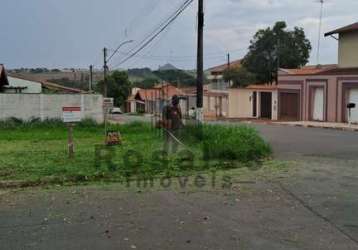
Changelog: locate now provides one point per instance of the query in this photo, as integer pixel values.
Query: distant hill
(146, 78)
(167, 66)
(140, 77)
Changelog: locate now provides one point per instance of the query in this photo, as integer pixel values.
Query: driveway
(312, 206)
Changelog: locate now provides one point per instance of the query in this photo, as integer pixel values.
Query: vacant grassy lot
(37, 151)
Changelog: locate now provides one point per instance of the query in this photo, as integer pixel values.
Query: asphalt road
(291, 142)
(312, 206)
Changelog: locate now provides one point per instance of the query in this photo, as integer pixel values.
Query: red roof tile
(310, 70)
(163, 91)
(223, 67)
(341, 71)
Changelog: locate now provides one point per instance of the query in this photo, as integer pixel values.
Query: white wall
(27, 106)
(275, 105)
(31, 87)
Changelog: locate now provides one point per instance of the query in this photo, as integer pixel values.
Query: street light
(105, 67)
(116, 50)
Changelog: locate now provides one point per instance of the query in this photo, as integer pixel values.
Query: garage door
(318, 104)
(289, 106)
(353, 98)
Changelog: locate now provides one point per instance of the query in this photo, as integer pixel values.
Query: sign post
(71, 152)
(71, 115)
(350, 106)
(108, 104)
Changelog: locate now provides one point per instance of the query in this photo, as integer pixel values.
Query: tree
(118, 87)
(239, 76)
(277, 47)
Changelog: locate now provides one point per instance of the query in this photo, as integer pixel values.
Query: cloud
(72, 33)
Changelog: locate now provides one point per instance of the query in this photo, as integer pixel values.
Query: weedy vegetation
(36, 151)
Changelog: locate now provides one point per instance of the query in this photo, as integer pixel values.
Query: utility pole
(105, 69)
(90, 78)
(319, 32)
(200, 63)
(278, 58)
(228, 61)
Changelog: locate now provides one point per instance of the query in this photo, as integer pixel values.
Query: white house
(18, 85)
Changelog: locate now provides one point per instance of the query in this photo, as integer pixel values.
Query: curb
(350, 129)
(323, 127)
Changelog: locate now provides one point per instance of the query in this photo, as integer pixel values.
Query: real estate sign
(71, 114)
(108, 103)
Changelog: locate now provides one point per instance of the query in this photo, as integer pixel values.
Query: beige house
(347, 46)
(253, 102)
(216, 94)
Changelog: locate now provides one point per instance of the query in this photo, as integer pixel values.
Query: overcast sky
(71, 33)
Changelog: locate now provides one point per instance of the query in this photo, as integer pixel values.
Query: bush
(239, 143)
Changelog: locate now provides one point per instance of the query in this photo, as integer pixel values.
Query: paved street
(313, 206)
(295, 142)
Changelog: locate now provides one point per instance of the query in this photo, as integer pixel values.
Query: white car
(116, 110)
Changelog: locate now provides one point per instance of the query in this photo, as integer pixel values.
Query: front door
(266, 105)
(289, 106)
(318, 104)
(353, 98)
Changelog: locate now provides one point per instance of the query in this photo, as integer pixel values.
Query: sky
(72, 33)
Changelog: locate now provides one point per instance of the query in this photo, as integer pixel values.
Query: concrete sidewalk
(328, 125)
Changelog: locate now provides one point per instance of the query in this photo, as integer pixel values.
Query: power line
(146, 43)
(174, 59)
(152, 46)
(161, 24)
(117, 49)
(185, 57)
(155, 33)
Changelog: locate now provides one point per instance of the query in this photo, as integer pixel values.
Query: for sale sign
(108, 102)
(71, 114)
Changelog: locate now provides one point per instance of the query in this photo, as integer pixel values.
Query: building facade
(323, 92)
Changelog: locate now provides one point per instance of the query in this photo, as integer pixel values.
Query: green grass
(37, 151)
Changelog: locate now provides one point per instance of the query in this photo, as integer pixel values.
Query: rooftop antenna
(319, 32)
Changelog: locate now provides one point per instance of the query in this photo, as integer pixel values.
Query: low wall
(27, 106)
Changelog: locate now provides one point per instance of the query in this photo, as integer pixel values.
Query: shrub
(239, 143)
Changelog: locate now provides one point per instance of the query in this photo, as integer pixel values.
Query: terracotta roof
(163, 91)
(148, 94)
(340, 71)
(310, 70)
(221, 68)
(345, 29)
(331, 69)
